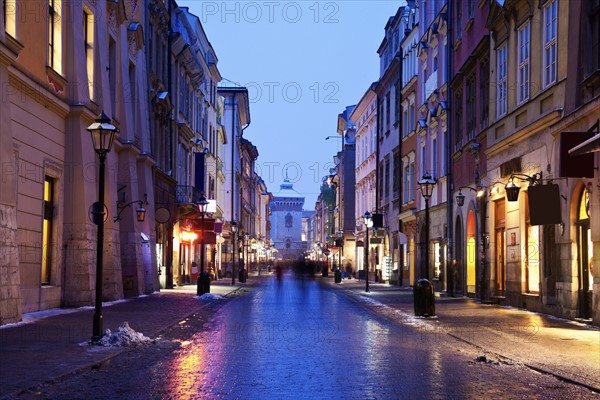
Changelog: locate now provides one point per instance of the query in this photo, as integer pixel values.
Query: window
(471, 118)
(435, 64)
(397, 174)
(112, 73)
(594, 46)
(437, 265)
(423, 159)
(387, 178)
(47, 230)
(55, 36)
(387, 111)
(424, 93)
(10, 17)
(458, 139)
(444, 155)
(411, 182)
(405, 121)
(458, 19)
(289, 220)
(88, 39)
(365, 145)
(413, 113)
(550, 42)
(470, 9)
(381, 179)
(132, 85)
(397, 102)
(532, 254)
(484, 83)
(434, 157)
(502, 83)
(406, 188)
(373, 140)
(523, 71)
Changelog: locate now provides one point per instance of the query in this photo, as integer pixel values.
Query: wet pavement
(312, 339)
(50, 348)
(564, 348)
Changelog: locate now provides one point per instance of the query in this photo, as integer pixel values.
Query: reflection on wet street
(297, 338)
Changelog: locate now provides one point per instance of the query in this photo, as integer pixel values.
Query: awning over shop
(589, 146)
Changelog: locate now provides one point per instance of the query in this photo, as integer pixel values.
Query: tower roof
(287, 190)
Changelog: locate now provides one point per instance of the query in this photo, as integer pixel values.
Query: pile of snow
(124, 337)
(210, 296)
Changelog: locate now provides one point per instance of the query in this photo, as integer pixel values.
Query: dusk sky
(303, 62)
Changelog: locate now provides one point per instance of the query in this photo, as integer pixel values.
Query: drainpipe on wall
(449, 181)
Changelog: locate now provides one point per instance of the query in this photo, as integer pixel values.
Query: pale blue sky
(303, 62)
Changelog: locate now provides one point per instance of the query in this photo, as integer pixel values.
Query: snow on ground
(210, 296)
(29, 318)
(123, 337)
(408, 319)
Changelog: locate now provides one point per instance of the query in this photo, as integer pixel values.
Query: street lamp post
(234, 229)
(340, 247)
(368, 218)
(202, 285)
(426, 184)
(103, 135)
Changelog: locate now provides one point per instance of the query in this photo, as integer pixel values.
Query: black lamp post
(368, 218)
(103, 135)
(340, 247)
(234, 229)
(426, 184)
(201, 283)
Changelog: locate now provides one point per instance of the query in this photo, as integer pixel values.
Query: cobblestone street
(304, 339)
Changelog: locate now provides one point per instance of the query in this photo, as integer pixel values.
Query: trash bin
(424, 298)
(243, 275)
(338, 276)
(203, 283)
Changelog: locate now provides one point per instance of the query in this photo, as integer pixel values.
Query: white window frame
(549, 37)
(88, 38)
(405, 121)
(412, 113)
(424, 157)
(55, 36)
(523, 59)
(434, 156)
(406, 180)
(10, 17)
(502, 81)
(411, 179)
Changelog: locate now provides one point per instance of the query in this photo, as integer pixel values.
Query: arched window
(288, 220)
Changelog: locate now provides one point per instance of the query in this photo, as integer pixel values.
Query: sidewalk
(49, 347)
(564, 348)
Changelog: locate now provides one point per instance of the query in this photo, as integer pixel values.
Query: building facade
(236, 118)
(91, 59)
(388, 151)
(537, 264)
(432, 141)
(470, 119)
(407, 217)
(286, 222)
(364, 118)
